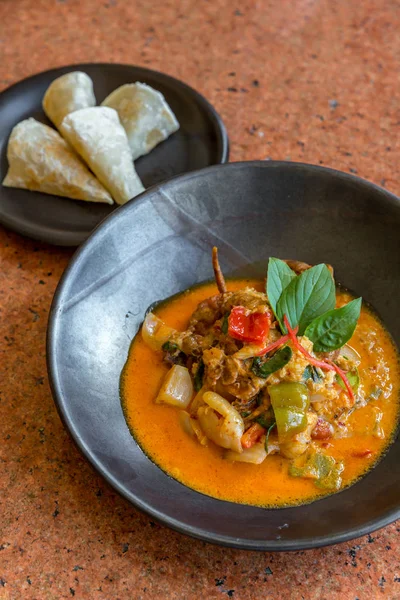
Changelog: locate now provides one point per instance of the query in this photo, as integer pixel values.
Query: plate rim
(197, 532)
(70, 238)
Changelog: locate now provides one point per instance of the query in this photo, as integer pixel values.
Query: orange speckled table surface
(309, 80)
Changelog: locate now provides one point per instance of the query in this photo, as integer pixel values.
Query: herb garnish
(313, 373)
(279, 277)
(270, 428)
(279, 360)
(198, 378)
(308, 301)
(308, 296)
(334, 329)
(352, 377)
(224, 323)
(170, 347)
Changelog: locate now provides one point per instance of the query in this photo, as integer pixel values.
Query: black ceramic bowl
(161, 244)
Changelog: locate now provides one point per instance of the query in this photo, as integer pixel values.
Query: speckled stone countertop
(312, 81)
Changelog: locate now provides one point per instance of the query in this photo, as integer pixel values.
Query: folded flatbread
(145, 115)
(67, 93)
(98, 136)
(40, 160)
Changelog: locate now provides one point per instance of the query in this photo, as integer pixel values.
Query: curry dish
(270, 394)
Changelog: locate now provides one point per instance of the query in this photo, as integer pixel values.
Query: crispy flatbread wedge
(66, 94)
(40, 160)
(98, 136)
(145, 115)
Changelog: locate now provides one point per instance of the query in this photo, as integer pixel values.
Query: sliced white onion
(177, 388)
(197, 401)
(349, 353)
(184, 420)
(191, 427)
(254, 455)
(155, 332)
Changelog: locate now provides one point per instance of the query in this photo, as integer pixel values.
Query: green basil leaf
(170, 347)
(311, 372)
(225, 324)
(245, 414)
(198, 378)
(278, 278)
(317, 375)
(279, 360)
(270, 428)
(307, 373)
(307, 297)
(266, 419)
(334, 329)
(352, 377)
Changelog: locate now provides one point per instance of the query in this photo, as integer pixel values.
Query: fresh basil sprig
(279, 277)
(308, 296)
(279, 360)
(334, 329)
(308, 301)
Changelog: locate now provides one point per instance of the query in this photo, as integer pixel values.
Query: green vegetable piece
(307, 373)
(375, 394)
(289, 394)
(225, 324)
(279, 360)
(289, 421)
(318, 375)
(170, 347)
(198, 378)
(353, 378)
(314, 466)
(333, 481)
(278, 278)
(325, 470)
(270, 428)
(311, 372)
(290, 402)
(307, 297)
(266, 419)
(334, 328)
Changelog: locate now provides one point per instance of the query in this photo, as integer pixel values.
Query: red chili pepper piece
(253, 327)
(282, 340)
(362, 453)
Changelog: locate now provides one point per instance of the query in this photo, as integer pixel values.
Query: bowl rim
(197, 532)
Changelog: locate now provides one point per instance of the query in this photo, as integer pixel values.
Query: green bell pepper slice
(290, 402)
(289, 421)
(288, 394)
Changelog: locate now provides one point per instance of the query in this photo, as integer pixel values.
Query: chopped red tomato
(248, 327)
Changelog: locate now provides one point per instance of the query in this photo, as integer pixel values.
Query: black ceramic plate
(161, 244)
(200, 142)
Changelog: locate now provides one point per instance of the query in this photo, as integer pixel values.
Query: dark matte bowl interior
(160, 245)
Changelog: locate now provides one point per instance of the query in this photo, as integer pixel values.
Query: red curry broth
(158, 431)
